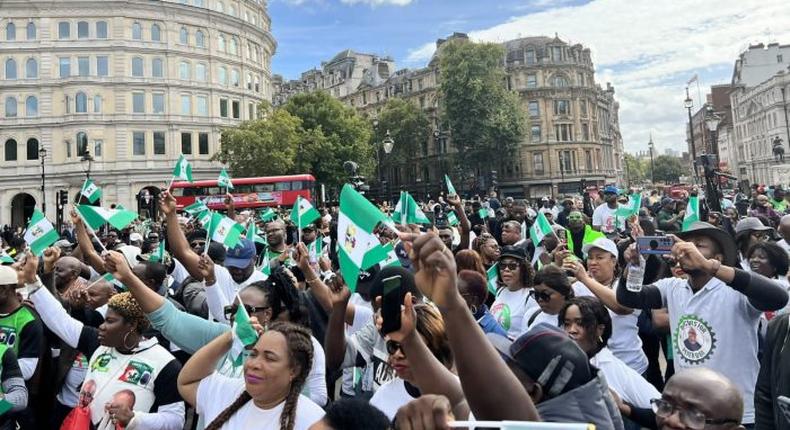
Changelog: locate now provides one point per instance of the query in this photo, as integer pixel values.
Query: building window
(10, 150)
(156, 33)
(530, 54)
(221, 43)
(203, 143)
(138, 143)
(84, 66)
(537, 161)
(64, 30)
(249, 81)
(563, 132)
(68, 148)
(31, 106)
(223, 76)
(186, 105)
(202, 105)
(535, 133)
(234, 46)
(186, 143)
(183, 71)
(556, 54)
(137, 67)
(157, 70)
(223, 108)
(101, 29)
(159, 143)
(251, 111)
(32, 149)
(31, 31)
(200, 39)
(138, 102)
(567, 161)
(236, 110)
(137, 31)
(583, 108)
(234, 78)
(532, 80)
(83, 31)
(81, 103)
(533, 109)
(102, 66)
(585, 132)
(31, 68)
(159, 103)
(10, 68)
(779, 59)
(200, 72)
(183, 36)
(97, 102)
(257, 84)
(560, 81)
(65, 67)
(562, 107)
(588, 164)
(97, 148)
(82, 143)
(10, 107)
(10, 31)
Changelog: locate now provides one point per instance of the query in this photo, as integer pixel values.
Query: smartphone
(391, 301)
(655, 245)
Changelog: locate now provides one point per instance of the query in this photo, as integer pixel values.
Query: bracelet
(717, 266)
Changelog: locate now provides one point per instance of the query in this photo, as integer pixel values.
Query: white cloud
(649, 49)
(378, 2)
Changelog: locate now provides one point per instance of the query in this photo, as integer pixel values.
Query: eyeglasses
(231, 309)
(508, 266)
(759, 235)
(198, 243)
(540, 296)
(690, 417)
(393, 346)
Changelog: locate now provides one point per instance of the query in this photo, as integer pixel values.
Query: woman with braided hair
(121, 361)
(274, 375)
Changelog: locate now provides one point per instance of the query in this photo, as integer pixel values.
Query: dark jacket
(774, 377)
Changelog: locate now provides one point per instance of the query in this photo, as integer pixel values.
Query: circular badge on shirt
(694, 339)
(501, 312)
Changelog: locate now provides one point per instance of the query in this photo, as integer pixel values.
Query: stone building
(573, 137)
(131, 84)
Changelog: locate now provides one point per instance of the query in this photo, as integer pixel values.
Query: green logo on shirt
(7, 336)
(137, 373)
(694, 339)
(101, 362)
(502, 313)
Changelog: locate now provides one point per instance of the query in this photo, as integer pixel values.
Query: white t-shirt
(224, 291)
(604, 217)
(629, 385)
(390, 397)
(512, 308)
(216, 392)
(714, 328)
(541, 317)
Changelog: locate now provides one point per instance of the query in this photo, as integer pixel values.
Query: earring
(124, 341)
(474, 309)
(600, 340)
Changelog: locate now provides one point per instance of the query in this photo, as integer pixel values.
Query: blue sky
(647, 49)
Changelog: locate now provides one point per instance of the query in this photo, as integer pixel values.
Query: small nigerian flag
(5, 258)
(303, 213)
(252, 234)
(450, 187)
(224, 180)
(632, 208)
(392, 257)
(692, 212)
(159, 254)
(183, 169)
(196, 208)
(268, 214)
(408, 212)
(492, 274)
(244, 334)
(452, 219)
(111, 279)
(40, 233)
(91, 191)
(540, 229)
(224, 230)
(96, 216)
(266, 267)
(483, 213)
(316, 249)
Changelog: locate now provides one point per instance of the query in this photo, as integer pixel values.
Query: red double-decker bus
(247, 192)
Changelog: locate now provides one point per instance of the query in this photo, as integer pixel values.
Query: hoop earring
(600, 340)
(474, 309)
(124, 341)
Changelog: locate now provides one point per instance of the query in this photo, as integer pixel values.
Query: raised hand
(167, 203)
(436, 271)
(26, 269)
(51, 255)
(302, 256)
(206, 269)
(408, 319)
(116, 264)
(75, 218)
(689, 257)
(338, 290)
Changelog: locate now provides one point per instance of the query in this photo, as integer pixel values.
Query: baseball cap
(135, 237)
(365, 279)
(511, 251)
(548, 356)
(611, 189)
(7, 276)
(667, 200)
(130, 253)
(240, 255)
(166, 258)
(601, 243)
(63, 243)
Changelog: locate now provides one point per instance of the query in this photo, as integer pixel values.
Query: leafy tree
(636, 170)
(485, 119)
(668, 169)
(409, 127)
(332, 134)
(261, 147)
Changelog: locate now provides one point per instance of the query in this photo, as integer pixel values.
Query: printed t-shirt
(512, 309)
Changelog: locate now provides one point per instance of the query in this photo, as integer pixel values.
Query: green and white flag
(224, 180)
(183, 169)
(196, 208)
(5, 406)
(692, 212)
(357, 247)
(120, 206)
(407, 211)
(392, 257)
(225, 230)
(268, 214)
(159, 254)
(91, 191)
(97, 216)
(303, 213)
(632, 208)
(540, 229)
(450, 187)
(40, 233)
(111, 279)
(5, 258)
(452, 219)
(266, 267)
(483, 213)
(252, 234)
(316, 249)
(244, 335)
(493, 274)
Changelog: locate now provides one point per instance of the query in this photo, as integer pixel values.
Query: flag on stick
(182, 170)
(303, 213)
(97, 216)
(40, 233)
(268, 214)
(493, 275)
(632, 208)
(540, 229)
(408, 212)
(90, 191)
(450, 187)
(244, 335)
(692, 213)
(224, 230)
(224, 180)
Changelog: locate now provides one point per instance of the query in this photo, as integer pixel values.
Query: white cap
(130, 253)
(7, 276)
(135, 237)
(601, 243)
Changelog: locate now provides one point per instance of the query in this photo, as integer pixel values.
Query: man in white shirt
(604, 218)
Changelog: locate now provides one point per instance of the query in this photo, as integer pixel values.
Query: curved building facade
(131, 84)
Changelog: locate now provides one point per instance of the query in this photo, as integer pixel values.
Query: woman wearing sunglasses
(489, 250)
(551, 290)
(749, 232)
(513, 303)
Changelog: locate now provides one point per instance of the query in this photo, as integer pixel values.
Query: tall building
(718, 141)
(131, 84)
(572, 140)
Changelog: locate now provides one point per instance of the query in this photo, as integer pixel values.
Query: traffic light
(63, 199)
(494, 179)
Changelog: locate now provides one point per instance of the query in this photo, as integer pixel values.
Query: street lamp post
(688, 103)
(386, 144)
(42, 154)
(652, 164)
(711, 161)
(87, 161)
(562, 172)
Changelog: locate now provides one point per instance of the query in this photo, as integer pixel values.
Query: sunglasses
(393, 347)
(231, 309)
(508, 266)
(540, 296)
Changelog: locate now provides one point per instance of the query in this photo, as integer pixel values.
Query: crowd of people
(489, 322)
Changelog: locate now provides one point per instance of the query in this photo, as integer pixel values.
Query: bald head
(705, 390)
(67, 269)
(784, 227)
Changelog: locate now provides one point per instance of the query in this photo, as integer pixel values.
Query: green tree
(668, 169)
(408, 126)
(636, 170)
(332, 134)
(261, 147)
(485, 119)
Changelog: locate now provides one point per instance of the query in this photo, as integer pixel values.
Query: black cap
(511, 251)
(548, 356)
(365, 280)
